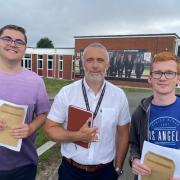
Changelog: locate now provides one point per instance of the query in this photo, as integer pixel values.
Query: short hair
(16, 28)
(96, 45)
(165, 56)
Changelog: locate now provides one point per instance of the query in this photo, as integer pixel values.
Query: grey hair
(96, 45)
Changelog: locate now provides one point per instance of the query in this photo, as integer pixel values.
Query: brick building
(152, 42)
(51, 63)
(139, 47)
(64, 63)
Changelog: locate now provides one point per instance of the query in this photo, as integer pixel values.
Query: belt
(88, 168)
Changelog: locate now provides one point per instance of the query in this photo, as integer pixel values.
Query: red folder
(77, 117)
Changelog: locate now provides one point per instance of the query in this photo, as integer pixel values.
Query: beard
(95, 78)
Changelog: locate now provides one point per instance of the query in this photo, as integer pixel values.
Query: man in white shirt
(109, 136)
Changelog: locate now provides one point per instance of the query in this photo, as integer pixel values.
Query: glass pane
(49, 64)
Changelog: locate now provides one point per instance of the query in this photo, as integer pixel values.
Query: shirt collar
(89, 89)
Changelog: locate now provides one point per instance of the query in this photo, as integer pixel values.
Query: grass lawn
(53, 85)
(40, 138)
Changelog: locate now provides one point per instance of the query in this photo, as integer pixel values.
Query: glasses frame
(158, 74)
(8, 40)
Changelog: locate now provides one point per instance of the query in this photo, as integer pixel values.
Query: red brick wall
(153, 44)
(67, 70)
(34, 62)
(45, 65)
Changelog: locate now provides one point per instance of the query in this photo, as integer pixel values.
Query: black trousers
(69, 172)
(27, 172)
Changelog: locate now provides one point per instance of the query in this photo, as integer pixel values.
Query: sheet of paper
(15, 114)
(170, 153)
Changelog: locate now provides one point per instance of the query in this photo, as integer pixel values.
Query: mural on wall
(123, 64)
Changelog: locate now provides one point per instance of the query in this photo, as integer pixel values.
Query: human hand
(140, 169)
(86, 133)
(2, 124)
(21, 131)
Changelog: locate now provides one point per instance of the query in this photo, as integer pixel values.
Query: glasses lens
(170, 74)
(156, 75)
(19, 42)
(6, 39)
(9, 40)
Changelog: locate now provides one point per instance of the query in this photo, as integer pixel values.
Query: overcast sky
(61, 20)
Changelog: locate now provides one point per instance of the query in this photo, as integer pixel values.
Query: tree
(45, 43)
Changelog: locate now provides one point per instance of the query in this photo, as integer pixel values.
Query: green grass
(54, 85)
(136, 90)
(41, 138)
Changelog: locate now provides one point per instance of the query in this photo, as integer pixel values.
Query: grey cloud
(60, 20)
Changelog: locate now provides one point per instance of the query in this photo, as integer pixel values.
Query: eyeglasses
(167, 74)
(8, 40)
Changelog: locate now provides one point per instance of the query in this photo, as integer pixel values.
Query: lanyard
(87, 102)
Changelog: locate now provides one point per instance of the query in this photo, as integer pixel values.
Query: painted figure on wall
(128, 64)
(139, 65)
(120, 64)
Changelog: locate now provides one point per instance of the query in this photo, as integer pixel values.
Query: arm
(25, 130)
(58, 133)
(122, 145)
(135, 151)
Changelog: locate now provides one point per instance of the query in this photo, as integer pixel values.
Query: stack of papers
(14, 115)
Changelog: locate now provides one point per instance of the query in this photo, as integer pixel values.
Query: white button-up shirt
(113, 111)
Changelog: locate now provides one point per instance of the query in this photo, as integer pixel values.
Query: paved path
(133, 99)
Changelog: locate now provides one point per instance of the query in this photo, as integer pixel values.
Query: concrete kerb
(45, 147)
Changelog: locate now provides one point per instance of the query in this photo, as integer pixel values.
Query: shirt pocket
(109, 117)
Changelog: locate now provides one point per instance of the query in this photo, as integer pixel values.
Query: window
(27, 59)
(40, 61)
(50, 65)
(178, 51)
(73, 65)
(50, 57)
(40, 56)
(40, 64)
(61, 58)
(60, 65)
(50, 62)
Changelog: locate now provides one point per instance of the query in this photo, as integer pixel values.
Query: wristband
(119, 171)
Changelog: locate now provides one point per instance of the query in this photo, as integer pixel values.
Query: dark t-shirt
(164, 125)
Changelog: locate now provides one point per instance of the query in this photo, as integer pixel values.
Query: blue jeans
(27, 172)
(69, 172)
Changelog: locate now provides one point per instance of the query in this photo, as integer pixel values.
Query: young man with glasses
(22, 87)
(160, 111)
